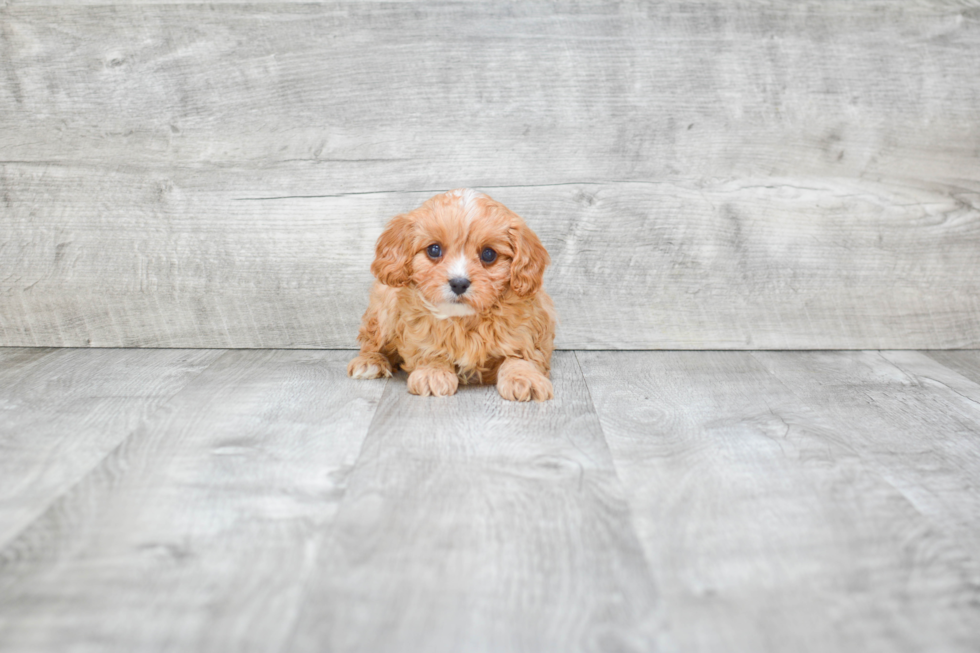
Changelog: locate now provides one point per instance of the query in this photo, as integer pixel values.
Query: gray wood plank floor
(206, 500)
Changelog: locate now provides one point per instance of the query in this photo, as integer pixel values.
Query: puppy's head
(462, 251)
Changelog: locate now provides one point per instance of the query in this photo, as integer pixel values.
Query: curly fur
(501, 330)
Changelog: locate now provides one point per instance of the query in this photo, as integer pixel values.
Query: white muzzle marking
(444, 310)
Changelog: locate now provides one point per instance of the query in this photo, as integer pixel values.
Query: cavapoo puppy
(459, 299)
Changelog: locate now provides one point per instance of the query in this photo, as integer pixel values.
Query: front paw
(434, 381)
(369, 366)
(524, 383)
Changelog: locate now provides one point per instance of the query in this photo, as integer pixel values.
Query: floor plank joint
(698, 501)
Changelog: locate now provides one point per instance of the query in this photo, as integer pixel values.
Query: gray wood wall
(771, 175)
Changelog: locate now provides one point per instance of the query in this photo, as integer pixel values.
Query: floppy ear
(393, 253)
(530, 259)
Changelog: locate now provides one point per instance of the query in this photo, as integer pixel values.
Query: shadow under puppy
(459, 299)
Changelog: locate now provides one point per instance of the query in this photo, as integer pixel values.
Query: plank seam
(123, 441)
(442, 190)
(869, 462)
(612, 463)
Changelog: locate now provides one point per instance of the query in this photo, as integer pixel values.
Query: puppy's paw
(369, 366)
(521, 381)
(434, 381)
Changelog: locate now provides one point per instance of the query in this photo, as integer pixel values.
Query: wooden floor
(259, 500)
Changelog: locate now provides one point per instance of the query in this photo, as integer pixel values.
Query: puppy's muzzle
(459, 285)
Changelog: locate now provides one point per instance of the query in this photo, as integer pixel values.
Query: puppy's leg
(522, 380)
(437, 379)
(371, 363)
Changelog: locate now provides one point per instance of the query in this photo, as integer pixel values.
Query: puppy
(459, 299)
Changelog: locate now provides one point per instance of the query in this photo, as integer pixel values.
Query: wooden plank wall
(705, 175)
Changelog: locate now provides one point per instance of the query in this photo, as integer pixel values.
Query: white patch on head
(467, 202)
(457, 268)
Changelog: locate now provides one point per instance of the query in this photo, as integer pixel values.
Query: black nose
(459, 285)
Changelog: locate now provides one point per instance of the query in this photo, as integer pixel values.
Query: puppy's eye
(488, 255)
(434, 251)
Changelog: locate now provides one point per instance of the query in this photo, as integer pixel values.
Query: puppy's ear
(393, 253)
(530, 259)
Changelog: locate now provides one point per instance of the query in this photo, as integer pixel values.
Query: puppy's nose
(459, 285)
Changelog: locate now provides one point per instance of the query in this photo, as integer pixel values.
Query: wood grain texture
(634, 265)
(691, 501)
(955, 373)
(965, 363)
(773, 509)
(196, 533)
(706, 176)
(919, 427)
(474, 524)
(62, 411)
